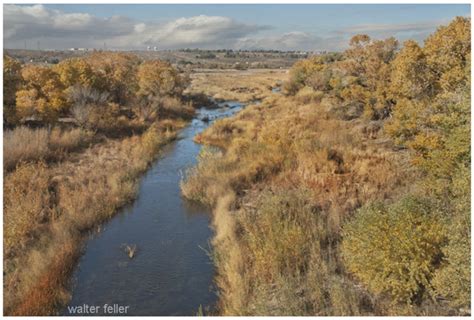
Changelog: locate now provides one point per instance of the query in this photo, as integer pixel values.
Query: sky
(218, 26)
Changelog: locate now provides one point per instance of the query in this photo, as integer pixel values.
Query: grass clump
(24, 144)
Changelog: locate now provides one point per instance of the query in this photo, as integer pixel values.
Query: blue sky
(268, 26)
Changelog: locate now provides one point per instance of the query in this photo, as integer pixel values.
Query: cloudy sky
(211, 26)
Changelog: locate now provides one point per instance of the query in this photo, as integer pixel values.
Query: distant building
(79, 49)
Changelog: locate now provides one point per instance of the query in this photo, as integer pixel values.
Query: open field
(244, 86)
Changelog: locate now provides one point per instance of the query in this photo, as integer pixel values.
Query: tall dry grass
(47, 209)
(24, 144)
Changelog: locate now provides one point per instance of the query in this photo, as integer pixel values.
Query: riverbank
(49, 208)
(288, 175)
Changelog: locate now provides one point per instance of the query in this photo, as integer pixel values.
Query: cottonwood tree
(42, 94)
(11, 82)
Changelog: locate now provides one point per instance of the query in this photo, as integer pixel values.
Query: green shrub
(394, 249)
(453, 279)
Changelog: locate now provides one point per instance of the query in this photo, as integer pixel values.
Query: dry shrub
(228, 259)
(45, 286)
(68, 140)
(272, 258)
(395, 249)
(26, 205)
(216, 172)
(308, 95)
(24, 144)
(275, 233)
(173, 107)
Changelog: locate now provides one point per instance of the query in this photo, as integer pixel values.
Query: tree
(448, 53)
(412, 78)
(158, 79)
(85, 102)
(370, 61)
(11, 82)
(119, 72)
(301, 71)
(429, 114)
(42, 94)
(78, 71)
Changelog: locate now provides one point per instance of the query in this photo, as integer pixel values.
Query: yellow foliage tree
(78, 71)
(158, 79)
(119, 72)
(369, 60)
(448, 53)
(11, 82)
(411, 76)
(42, 94)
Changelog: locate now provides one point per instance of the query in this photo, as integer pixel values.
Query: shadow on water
(170, 274)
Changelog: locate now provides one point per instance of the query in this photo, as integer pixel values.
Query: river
(171, 273)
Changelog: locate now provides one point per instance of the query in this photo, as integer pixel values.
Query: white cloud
(199, 31)
(57, 29)
(294, 40)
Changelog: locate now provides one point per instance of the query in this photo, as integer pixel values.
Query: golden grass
(242, 86)
(47, 209)
(24, 144)
(284, 177)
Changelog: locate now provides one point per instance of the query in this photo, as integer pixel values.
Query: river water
(171, 273)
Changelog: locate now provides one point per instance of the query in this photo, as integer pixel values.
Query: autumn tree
(79, 72)
(157, 78)
(430, 87)
(11, 82)
(370, 62)
(42, 94)
(158, 84)
(119, 73)
(448, 53)
(302, 71)
(429, 105)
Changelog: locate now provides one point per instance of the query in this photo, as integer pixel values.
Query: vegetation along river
(170, 272)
